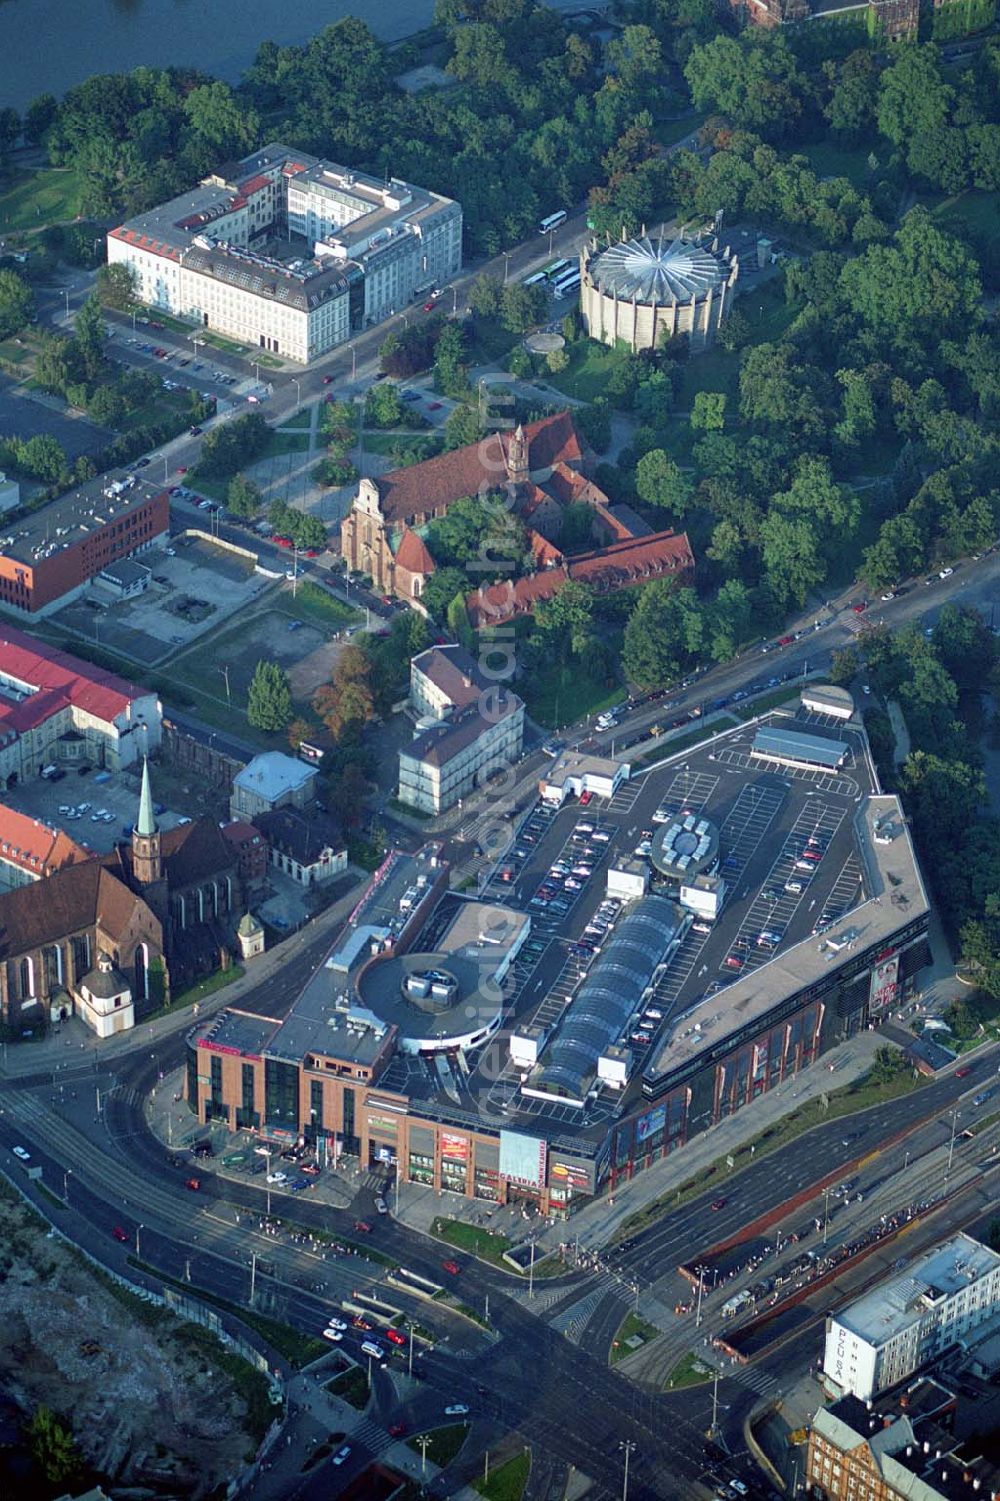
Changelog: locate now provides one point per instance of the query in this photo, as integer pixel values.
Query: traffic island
(689, 1371)
(439, 1445)
(633, 1333)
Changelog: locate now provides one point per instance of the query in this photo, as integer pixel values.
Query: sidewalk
(599, 1220)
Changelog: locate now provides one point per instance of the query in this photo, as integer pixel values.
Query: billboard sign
(884, 985)
(455, 1148)
(648, 1125)
(522, 1159)
(576, 1175)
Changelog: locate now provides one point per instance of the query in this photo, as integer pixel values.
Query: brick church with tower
(114, 935)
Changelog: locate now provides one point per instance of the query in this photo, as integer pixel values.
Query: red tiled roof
(34, 847)
(68, 902)
(428, 489)
(412, 553)
(637, 560)
(544, 552)
(57, 680)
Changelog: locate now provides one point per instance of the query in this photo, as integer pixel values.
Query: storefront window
(421, 1168)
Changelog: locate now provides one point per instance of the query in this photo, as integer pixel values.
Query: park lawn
(713, 370)
(683, 742)
(689, 1371)
(412, 447)
(487, 1245)
(444, 1443)
(315, 606)
(767, 312)
(490, 341)
(35, 199)
(586, 375)
(280, 442)
(631, 1325)
(764, 702)
(977, 211)
(829, 160)
(300, 420)
(563, 693)
(669, 132)
(507, 1481)
(161, 406)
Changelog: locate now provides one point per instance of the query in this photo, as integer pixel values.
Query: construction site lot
(216, 673)
(152, 1402)
(186, 597)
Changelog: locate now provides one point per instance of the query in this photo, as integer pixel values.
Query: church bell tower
(147, 863)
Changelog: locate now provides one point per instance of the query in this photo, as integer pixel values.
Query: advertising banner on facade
(885, 984)
(522, 1159)
(576, 1175)
(648, 1125)
(455, 1148)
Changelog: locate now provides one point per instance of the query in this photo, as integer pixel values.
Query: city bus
(532, 281)
(557, 269)
(567, 284)
(552, 222)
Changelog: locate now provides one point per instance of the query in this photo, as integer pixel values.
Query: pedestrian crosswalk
(572, 1321)
(372, 1435)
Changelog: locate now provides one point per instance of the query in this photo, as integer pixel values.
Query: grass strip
(507, 1481)
(630, 1326)
(689, 1371)
(442, 1443)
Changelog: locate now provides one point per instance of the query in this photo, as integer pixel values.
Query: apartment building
(911, 1318)
(290, 253)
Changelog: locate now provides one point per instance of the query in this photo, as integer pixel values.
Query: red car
(183, 469)
(860, 606)
(585, 798)
(360, 1323)
(193, 1183)
(120, 1234)
(718, 1203)
(960, 1073)
(394, 1337)
(396, 1430)
(451, 1266)
(785, 640)
(363, 1226)
(283, 541)
(734, 961)
(328, 380)
(430, 306)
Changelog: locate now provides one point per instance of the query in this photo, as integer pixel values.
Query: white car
(25, 1156)
(277, 1178)
(456, 1410)
(946, 573)
(336, 1323)
(739, 1488)
(334, 1335)
(342, 1455)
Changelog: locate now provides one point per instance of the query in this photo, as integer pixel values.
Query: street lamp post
(506, 264)
(423, 1440)
(66, 1185)
(138, 1229)
(298, 390)
(628, 1446)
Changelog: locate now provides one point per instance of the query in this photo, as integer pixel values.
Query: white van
(369, 1347)
(48, 772)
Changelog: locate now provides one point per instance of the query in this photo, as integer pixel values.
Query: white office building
(912, 1318)
(289, 253)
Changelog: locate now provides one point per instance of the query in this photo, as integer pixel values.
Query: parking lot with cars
(787, 854)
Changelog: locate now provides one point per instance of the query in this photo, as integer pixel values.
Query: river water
(47, 46)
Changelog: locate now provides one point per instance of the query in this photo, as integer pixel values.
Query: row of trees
(938, 683)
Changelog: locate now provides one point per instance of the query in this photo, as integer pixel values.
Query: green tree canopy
(269, 700)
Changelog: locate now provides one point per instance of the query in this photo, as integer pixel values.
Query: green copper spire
(146, 823)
